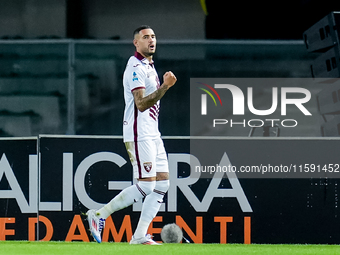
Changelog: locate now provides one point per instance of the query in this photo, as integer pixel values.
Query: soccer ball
(171, 233)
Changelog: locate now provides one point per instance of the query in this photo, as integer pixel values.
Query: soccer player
(142, 94)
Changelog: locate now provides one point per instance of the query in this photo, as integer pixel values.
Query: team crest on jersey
(147, 166)
(134, 77)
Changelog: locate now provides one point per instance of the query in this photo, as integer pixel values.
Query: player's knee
(162, 185)
(147, 186)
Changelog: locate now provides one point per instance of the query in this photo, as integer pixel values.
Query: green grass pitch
(74, 248)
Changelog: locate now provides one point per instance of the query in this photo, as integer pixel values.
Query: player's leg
(154, 200)
(127, 196)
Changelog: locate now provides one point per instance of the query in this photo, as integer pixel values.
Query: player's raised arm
(144, 102)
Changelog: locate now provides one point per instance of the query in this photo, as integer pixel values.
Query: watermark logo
(204, 98)
(269, 101)
(239, 99)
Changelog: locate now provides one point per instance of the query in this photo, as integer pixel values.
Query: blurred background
(62, 61)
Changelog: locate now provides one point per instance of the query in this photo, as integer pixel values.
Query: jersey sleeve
(137, 78)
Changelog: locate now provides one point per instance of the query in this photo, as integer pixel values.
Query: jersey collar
(143, 59)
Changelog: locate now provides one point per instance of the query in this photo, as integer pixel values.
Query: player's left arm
(145, 102)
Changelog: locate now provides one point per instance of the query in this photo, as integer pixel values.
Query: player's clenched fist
(169, 79)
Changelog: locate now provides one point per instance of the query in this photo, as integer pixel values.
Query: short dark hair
(137, 30)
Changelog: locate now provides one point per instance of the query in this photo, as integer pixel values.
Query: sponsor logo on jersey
(134, 77)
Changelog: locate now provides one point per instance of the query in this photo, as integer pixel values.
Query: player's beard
(149, 53)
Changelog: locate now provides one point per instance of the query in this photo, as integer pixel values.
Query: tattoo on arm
(145, 102)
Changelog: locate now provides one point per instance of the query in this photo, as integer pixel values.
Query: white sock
(127, 197)
(151, 206)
